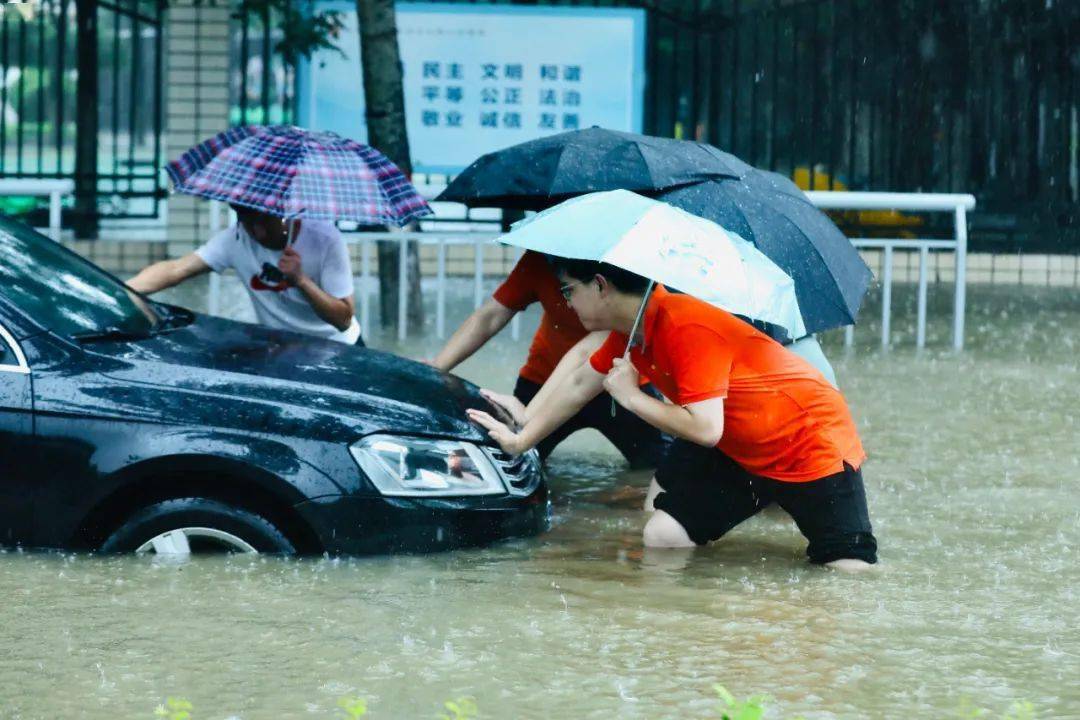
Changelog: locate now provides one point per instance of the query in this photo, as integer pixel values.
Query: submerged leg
(850, 565)
(650, 496)
(664, 531)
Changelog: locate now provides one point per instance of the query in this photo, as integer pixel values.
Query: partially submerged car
(131, 425)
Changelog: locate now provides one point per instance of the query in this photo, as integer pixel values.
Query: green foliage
(753, 708)
(354, 707)
(464, 708)
(1019, 710)
(968, 711)
(174, 709)
(303, 32)
(729, 707)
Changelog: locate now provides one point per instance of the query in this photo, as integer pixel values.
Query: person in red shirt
(754, 423)
(561, 343)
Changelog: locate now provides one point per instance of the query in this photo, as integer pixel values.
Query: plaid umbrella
(288, 171)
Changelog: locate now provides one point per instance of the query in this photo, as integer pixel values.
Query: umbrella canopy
(769, 210)
(288, 171)
(540, 173)
(668, 245)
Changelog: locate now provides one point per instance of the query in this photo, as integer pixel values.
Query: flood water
(973, 489)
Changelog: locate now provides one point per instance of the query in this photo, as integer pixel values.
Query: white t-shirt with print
(323, 257)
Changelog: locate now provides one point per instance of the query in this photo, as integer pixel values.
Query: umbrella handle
(633, 330)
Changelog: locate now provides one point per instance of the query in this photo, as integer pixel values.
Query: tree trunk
(384, 99)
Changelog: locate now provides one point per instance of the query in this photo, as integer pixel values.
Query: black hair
(585, 270)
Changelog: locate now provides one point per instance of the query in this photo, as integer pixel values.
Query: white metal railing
(55, 189)
(441, 240)
(957, 204)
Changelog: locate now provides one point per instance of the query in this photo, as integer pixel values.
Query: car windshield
(63, 292)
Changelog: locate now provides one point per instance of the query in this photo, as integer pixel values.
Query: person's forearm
(567, 364)
(673, 419)
(151, 279)
(556, 409)
(332, 310)
(477, 329)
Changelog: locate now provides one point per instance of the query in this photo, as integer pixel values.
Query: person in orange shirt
(561, 344)
(754, 423)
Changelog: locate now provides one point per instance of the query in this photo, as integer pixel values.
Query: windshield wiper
(172, 317)
(110, 334)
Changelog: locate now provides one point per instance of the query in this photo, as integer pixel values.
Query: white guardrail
(956, 204)
(54, 189)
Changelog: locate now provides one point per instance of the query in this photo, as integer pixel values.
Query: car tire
(192, 525)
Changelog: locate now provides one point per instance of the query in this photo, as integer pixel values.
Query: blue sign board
(481, 77)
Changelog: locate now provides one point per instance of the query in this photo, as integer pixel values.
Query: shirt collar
(658, 294)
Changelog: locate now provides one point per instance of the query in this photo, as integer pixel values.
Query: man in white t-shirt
(305, 285)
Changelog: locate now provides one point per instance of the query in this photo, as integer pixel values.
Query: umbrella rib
(832, 275)
(835, 281)
(644, 162)
(558, 168)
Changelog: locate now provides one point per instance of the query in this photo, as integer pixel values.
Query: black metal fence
(83, 102)
(262, 89)
(910, 95)
(972, 96)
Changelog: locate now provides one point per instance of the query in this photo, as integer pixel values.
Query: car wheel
(196, 525)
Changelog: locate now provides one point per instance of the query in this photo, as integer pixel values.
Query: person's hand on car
(506, 438)
(289, 265)
(509, 403)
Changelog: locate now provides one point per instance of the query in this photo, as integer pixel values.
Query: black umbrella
(773, 213)
(540, 173)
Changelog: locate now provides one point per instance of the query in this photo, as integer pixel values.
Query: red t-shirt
(782, 419)
(530, 281)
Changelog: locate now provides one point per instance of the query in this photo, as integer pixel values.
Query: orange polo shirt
(782, 419)
(532, 280)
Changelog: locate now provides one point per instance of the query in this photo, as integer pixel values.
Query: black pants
(360, 341)
(709, 494)
(640, 443)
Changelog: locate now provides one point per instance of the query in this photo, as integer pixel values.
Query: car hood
(368, 390)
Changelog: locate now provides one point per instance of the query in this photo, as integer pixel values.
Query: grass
(728, 707)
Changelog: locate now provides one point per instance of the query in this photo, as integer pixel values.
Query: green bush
(729, 708)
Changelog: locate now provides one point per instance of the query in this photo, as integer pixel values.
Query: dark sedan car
(129, 425)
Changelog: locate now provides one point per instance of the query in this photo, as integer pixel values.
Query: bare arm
(700, 422)
(578, 388)
(478, 328)
(336, 311)
(574, 358)
(339, 312)
(165, 274)
(571, 361)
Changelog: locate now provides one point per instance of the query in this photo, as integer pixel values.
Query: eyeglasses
(568, 289)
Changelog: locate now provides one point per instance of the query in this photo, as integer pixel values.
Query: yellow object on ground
(889, 222)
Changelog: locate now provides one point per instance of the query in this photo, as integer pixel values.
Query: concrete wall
(197, 102)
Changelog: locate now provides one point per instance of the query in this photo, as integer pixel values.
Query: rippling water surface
(973, 490)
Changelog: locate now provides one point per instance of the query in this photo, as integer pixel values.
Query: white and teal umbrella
(669, 246)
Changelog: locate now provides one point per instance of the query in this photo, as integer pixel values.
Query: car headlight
(415, 467)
